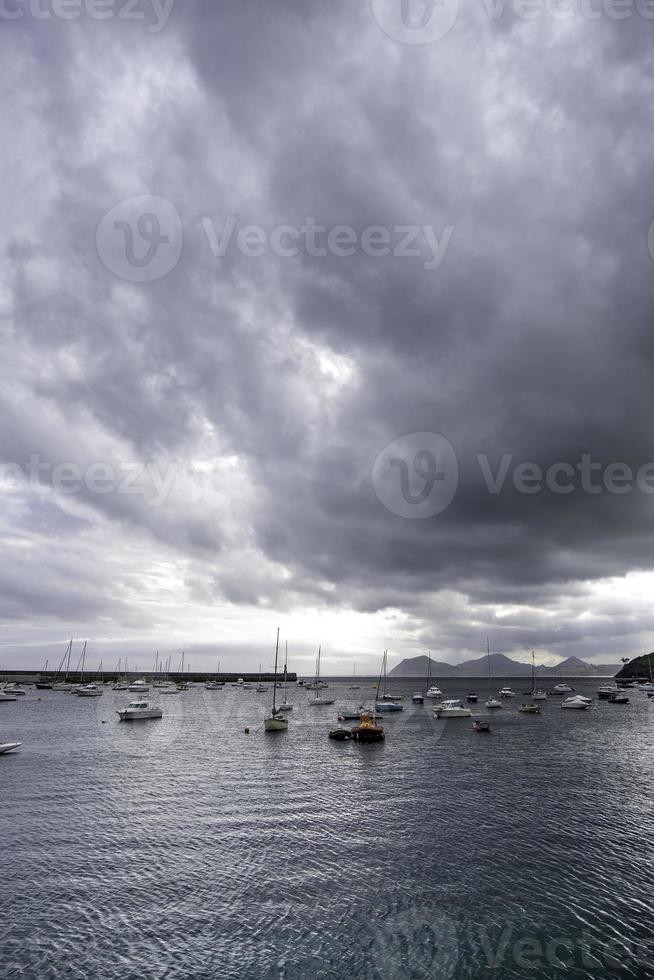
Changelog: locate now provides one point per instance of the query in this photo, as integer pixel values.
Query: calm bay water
(184, 848)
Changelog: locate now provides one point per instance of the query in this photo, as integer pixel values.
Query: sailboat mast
(488, 661)
(274, 707)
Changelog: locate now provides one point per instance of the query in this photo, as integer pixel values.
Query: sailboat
(491, 702)
(276, 723)
(122, 682)
(260, 688)
(285, 705)
(319, 700)
(432, 690)
(354, 687)
(215, 684)
(63, 685)
(43, 683)
(386, 701)
(535, 695)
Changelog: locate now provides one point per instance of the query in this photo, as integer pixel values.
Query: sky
(332, 317)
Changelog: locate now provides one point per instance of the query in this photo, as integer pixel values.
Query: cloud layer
(262, 387)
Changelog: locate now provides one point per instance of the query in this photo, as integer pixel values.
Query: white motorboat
(506, 692)
(275, 722)
(139, 710)
(493, 703)
(213, 686)
(434, 692)
(13, 688)
(452, 708)
(170, 689)
(578, 702)
(607, 691)
(88, 691)
(418, 698)
(562, 689)
(7, 697)
(139, 687)
(8, 747)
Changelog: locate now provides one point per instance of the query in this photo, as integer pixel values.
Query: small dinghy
(618, 699)
(340, 735)
(481, 726)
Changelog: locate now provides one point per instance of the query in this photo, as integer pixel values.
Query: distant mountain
(418, 667)
(500, 666)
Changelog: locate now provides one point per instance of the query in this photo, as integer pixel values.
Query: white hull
(139, 714)
(492, 703)
(320, 702)
(539, 696)
(453, 712)
(8, 697)
(284, 706)
(8, 746)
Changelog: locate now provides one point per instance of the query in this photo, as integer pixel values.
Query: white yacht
(8, 747)
(139, 687)
(506, 692)
(13, 688)
(139, 710)
(562, 689)
(493, 703)
(89, 691)
(451, 709)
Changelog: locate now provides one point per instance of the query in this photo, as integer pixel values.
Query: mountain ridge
(500, 666)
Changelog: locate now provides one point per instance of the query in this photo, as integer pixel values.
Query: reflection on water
(185, 848)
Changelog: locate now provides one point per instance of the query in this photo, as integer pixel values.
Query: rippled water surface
(184, 848)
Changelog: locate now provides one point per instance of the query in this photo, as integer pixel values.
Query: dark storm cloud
(287, 376)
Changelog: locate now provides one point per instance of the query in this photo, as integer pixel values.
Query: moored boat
(139, 710)
(418, 698)
(451, 708)
(529, 709)
(8, 747)
(481, 726)
(275, 722)
(367, 730)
